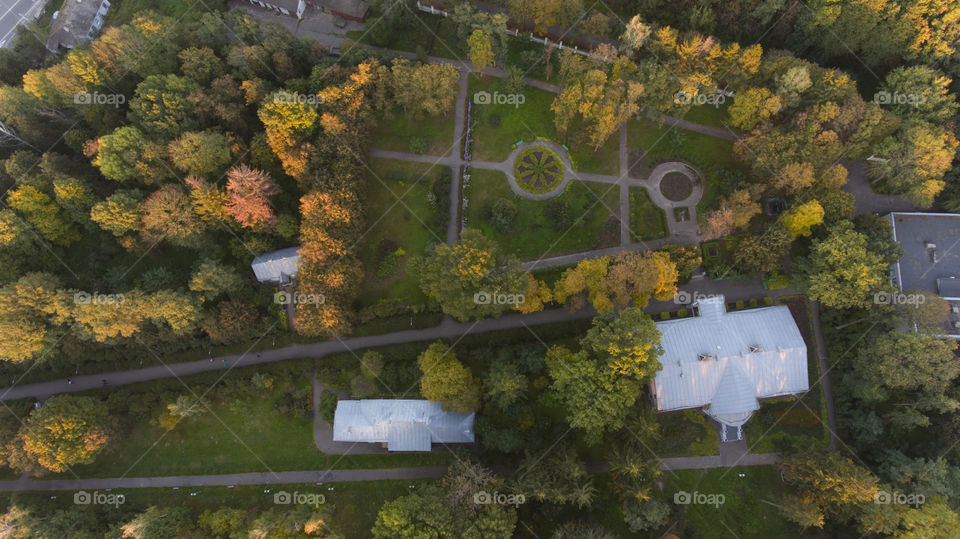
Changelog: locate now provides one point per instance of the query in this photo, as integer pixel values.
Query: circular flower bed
(538, 169)
(676, 186)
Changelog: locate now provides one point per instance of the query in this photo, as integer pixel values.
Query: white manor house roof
(402, 424)
(726, 361)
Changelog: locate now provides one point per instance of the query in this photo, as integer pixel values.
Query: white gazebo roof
(725, 362)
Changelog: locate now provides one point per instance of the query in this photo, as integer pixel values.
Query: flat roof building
(77, 22)
(931, 258)
(724, 362)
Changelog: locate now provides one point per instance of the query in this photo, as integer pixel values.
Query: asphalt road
(12, 13)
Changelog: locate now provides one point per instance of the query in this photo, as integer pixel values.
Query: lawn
(647, 220)
(431, 135)
(498, 127)
(710, 115)
(240, 435)
(590, 206)
(686, 434)
(708, 154)
(410, 225)
(746, 510)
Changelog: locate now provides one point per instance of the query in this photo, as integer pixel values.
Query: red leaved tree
(250, 190)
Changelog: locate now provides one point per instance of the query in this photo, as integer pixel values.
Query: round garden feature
(676, 186)
(538, 169)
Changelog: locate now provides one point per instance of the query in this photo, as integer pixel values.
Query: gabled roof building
(402, 424)
(725, 362)
(278, 267)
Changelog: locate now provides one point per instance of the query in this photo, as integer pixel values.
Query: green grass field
(647, 220)
(706, 153)
(400, 215)
(498, 127)
(398, 133)
(710, 115)
(745, 511)
(533, 234)
(244, 435)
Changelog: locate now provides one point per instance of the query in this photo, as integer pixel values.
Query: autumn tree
(537, 295)
(120, 213)
(840, 271)
(909, 366)
(919, 93)
(65, 431)
(794, 178)
(628, 340)
(429, 512)
(800, 219)
(158, 522)
(213, 279)
(119, 153)
(47, 218)
(208, 200)
(250, 191)
(168, 215)
(289, 125)
(200, 154)
(161, 104)
(753, 106)
(30, 310)
(201, 64)
(913, 162)
(471, 279)
(505, 384)
(480, 51)
(600, 102)
(762, 253)
(634, 35)
(828, 484)
(468, 19)
(596, 399)
(424, 89)
(541, 13)
(448, 381)
(735, 212)
(600, 383)
(230, 320)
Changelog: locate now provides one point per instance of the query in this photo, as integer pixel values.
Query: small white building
(725, 362)
(278, 267)
(402, 424)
